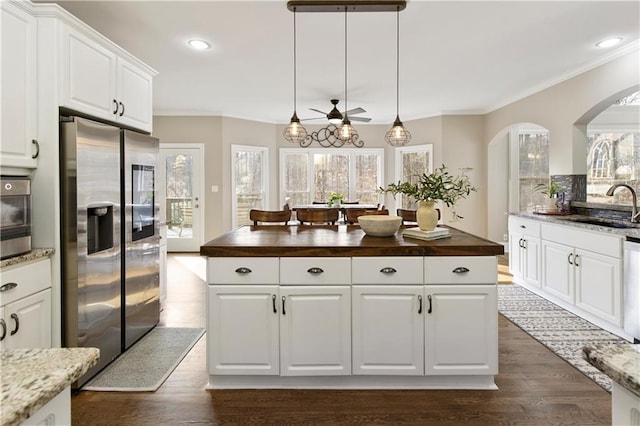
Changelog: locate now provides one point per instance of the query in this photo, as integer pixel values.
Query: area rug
(558, 329)
(148, 363)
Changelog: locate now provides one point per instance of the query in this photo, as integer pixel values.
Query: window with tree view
(533, 152)
(411, 163)
(308, 175)
(613, 151)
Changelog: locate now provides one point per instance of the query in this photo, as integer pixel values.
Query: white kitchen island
(329, 307)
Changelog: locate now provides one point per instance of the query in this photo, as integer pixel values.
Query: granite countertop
(32, 255)
(633, 231)
(621, 362)
(29, 378)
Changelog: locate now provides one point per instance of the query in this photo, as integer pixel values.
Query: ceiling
(456, 57)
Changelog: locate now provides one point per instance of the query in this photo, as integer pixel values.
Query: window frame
(310, 152)
(399, 155)
(265, 177)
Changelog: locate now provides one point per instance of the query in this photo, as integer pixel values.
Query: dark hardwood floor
(536, 388)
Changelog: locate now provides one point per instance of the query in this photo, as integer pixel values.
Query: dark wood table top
(339, 240)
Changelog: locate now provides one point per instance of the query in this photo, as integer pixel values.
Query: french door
(181, 175)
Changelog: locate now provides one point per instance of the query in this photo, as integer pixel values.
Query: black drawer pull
(284, 298)
(4, 329)
(430, 304)
(460, 270)
(121, 112)
(8, 286)
(273, 299)
(388, 270)
(419, 303)
(315, 270)
(522, 226)
(115, 104)
(35, 142)
(243, 270)
(17, 321)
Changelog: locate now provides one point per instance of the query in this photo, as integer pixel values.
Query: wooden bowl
(379, 225)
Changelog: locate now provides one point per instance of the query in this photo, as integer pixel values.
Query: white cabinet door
(18, 88)
(242, 329)
(388, 329)
(88, 76)
(599, 285)
(531, 258)
(515, 255)
(135, 96)
(96, 81)
(558, 278)
(28, 322)
(461, 330)
(315, 330)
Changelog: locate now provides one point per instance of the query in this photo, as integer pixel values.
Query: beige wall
(458, 142)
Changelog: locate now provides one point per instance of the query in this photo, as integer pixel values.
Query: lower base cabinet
(271, 330)
(55, 412)
(461, 329)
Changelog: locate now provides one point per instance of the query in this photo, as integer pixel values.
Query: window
(411, 163)
(613, 157)
(308, 175)
(249, 182)
(533, 166)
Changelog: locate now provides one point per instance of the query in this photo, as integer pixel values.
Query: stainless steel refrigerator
(110, 254)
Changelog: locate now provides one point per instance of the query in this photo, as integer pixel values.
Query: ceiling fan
(335, 116)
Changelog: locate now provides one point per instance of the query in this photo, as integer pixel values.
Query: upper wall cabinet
(19, 145)
(96, 80)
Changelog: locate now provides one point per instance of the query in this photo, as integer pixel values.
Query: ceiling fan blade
(363, 119)
(355, 111)
(317, 110)
(314, 118)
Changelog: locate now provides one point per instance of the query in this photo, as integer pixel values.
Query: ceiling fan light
(346, 132)
(295, 132)
(397, 135)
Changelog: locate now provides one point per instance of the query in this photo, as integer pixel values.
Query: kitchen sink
(604, 222)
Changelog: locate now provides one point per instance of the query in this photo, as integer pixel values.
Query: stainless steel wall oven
(15, 216)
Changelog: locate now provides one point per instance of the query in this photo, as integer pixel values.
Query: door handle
(460, 270)
(17, 321)
(521, 240)
(273, 300)
(115, 104)
(419, 304)
(243, 270)
(121, 112)
(8, 286)
(283, 300)
(570, 258)
(37, 144)
(315, 270)
(430, 309)
(4, 330)
(575, 260)
(388, 270)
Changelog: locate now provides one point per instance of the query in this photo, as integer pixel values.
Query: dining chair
(270, 216)
(351, 215)
(314, 215)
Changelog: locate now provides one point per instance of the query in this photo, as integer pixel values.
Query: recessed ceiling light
(199, 44)
(609, 42)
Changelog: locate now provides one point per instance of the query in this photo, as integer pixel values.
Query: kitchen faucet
(635, 216)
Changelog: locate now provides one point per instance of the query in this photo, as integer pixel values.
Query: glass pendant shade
(397, 135)
(295, 132)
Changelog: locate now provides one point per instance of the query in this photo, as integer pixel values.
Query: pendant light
(346, 132)
(294, 132)
(397, 135)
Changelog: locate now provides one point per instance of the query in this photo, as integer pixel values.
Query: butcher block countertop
(339, 240)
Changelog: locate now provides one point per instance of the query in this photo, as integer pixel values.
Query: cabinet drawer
(242, 270)
(387, 270)
(315, 270)
(524, 226)
(461, 270)
(30, 278)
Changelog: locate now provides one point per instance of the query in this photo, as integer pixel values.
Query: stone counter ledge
(621, 362)
(29, 378)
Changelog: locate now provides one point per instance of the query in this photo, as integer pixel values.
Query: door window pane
(414, 162)
(296, 185)
(367, 178)
(179, 190)
(331, 174)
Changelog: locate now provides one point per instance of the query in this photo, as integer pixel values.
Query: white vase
(552, 205)
(427, 216)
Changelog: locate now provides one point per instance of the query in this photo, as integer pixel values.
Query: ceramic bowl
(379, 225)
